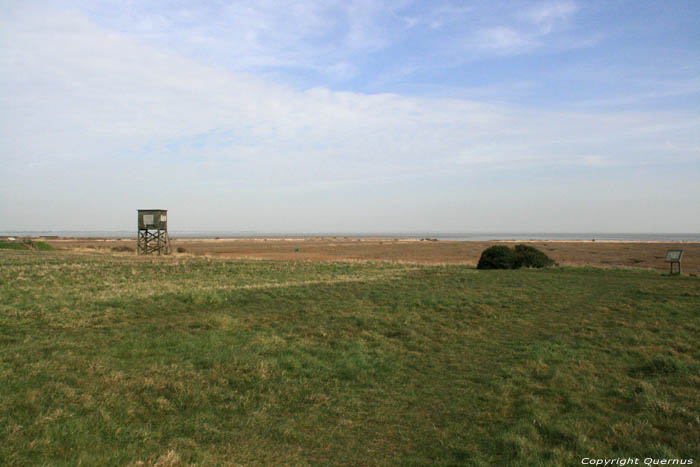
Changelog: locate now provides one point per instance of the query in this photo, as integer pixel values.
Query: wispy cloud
(524, 30)
(661, 90)
(504, 39)
(550, 16)
(128, 96)
(97, 112)
(334, 38)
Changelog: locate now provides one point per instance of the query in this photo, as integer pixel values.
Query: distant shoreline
(367, 239)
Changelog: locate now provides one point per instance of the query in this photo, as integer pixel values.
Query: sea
(444, 236)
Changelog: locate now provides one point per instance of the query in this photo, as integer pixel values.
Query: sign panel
(674, 256)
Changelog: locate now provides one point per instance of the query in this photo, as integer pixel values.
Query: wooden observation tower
(153, 232)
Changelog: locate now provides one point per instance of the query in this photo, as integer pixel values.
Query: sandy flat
(646, 255)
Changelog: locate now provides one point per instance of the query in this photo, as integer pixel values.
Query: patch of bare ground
(646, 255)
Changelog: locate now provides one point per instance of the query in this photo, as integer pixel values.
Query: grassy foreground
(118, 360)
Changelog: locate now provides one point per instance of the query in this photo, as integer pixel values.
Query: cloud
(507, 40)
(81, 88)
(661, 90)
(91, 118)
(311, 36)
(524, 30)
(267, 34)
(550, 16)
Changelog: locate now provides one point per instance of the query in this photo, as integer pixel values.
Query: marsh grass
(7, 245)
(119, 360)
(25, 244)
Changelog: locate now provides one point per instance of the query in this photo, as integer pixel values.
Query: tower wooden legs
(152, 241)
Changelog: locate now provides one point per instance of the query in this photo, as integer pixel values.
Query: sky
(351, 116)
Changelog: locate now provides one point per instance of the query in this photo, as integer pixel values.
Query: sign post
(674, 257)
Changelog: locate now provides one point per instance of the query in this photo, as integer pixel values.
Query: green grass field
(118, 360)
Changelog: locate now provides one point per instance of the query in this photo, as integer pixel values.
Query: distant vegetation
(7, 245)
(523, 256)
(42, 246)
(123, 249)
(125, 360)
(25, 244)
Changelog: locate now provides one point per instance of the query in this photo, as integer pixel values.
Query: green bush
(42, 246)
(530, 257)
(497, 257)
(502, 257)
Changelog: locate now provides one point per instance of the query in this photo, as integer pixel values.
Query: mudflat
(644, 255)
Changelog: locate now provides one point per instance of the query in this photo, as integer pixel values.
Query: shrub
(530, 257)
(502, 257)
(123, 248)
(497, 257)
(180, 249)
(43, 246)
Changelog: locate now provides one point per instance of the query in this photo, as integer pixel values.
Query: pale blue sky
(360, 116)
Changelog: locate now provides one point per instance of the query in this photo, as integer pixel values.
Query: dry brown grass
(599, 254)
